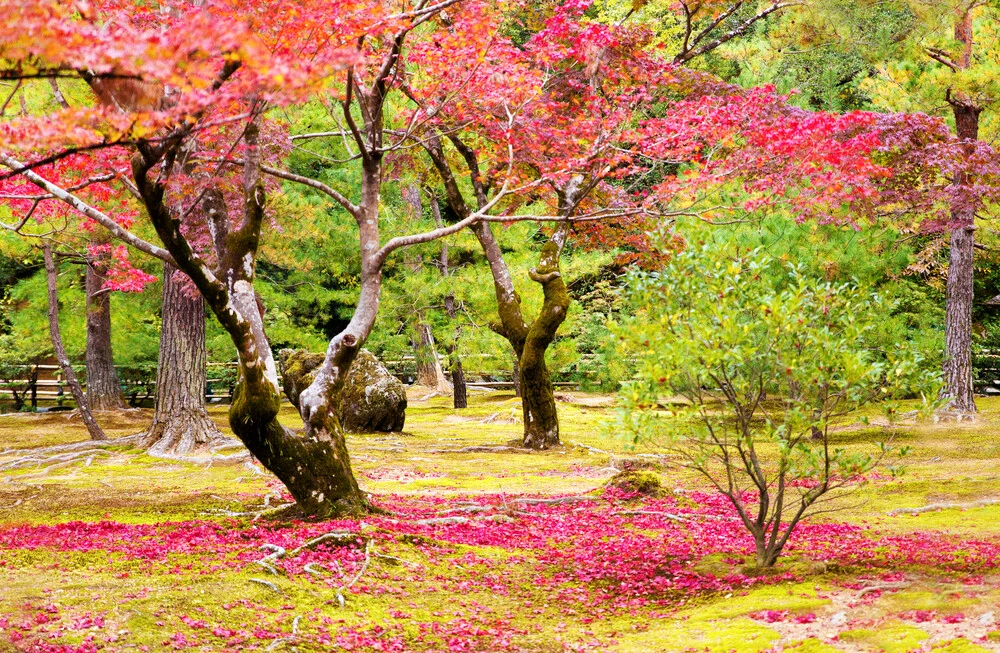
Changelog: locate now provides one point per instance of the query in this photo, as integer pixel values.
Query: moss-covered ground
(485, 548)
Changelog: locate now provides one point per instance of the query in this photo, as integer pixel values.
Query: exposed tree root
(266, 583)
(555, 501)
(54, 462)
(667, 515)
(499, 417)
(931, 507)
(232, 459)
(593, 450)
(76, 446)
(879, 587)
(190, 431)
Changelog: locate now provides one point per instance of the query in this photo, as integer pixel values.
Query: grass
(152, 602)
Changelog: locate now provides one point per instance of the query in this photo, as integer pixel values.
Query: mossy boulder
(642, 482)
(372, 398)
(635, 464)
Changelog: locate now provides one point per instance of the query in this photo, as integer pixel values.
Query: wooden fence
(29, 385)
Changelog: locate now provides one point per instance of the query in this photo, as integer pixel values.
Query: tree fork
(315, 468)
(541, 421)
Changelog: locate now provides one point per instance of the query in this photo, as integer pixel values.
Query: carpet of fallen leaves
(594, 557)
(596, 569)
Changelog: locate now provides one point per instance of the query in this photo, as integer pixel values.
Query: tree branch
(104, 220)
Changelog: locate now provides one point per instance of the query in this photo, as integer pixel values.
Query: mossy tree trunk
(541, 422)
(315, 466)
(529, 341)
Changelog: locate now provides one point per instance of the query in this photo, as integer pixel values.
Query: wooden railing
(45, 383)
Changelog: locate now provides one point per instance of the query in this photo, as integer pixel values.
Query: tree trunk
(958, 385)
(104, 391)
(315, 467)
(460, 396)
(57, 344)
(532, 379)
(541, 422)
(429, 372)
(181, 425)
(516, 376)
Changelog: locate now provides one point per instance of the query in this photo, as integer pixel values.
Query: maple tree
(202, 150)
(632, 116)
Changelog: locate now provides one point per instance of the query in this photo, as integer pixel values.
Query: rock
(634, 464)
(372, 399)
(838, 619)
(643, 482)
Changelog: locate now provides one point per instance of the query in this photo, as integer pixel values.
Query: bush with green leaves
(743, 364)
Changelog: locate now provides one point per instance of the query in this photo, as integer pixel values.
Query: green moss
(894, 637)
(796, 598)
(960, 645)
(644, 482)
(943, 602)
(811, 645)
(740, 635)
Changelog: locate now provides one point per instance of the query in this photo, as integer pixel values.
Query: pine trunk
(958, 384)
(104, 391)
(429, 372)
(51, 276)
(181, 425)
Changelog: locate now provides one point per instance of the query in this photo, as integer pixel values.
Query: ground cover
(485, 548)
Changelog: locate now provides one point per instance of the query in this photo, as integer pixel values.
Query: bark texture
(181, 425)
(958, 383)
(51, 274)
(429, 371)
(104, 391)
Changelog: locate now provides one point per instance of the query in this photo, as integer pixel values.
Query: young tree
(51, 273)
